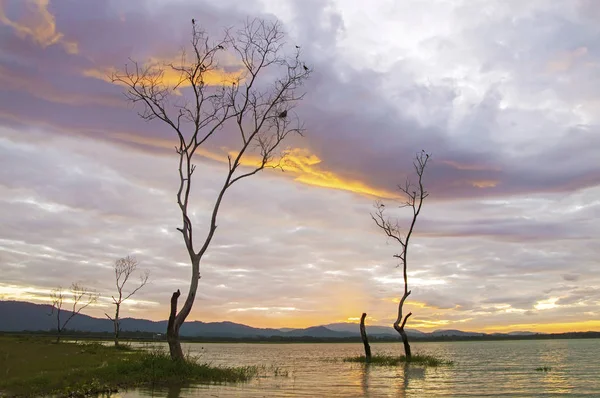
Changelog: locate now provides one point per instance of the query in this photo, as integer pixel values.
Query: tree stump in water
(363, 335)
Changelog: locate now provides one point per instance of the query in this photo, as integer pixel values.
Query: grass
(36, 366)
(391, 360)
(543, 369)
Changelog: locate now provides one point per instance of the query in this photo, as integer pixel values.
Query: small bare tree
(256, 105)
(124, 268)
(81, 298)
(414, 195)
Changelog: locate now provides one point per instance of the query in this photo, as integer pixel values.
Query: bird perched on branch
(220, 47)
(283, 114)
(193, 21)
(305, 67)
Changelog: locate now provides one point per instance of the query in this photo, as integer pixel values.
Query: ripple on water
(492, 368)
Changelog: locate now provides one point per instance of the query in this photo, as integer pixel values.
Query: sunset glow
(507, 239)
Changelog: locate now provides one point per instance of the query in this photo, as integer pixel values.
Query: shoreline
(133, 338)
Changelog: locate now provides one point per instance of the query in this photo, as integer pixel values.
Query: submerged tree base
(391, 360)
(36, 367)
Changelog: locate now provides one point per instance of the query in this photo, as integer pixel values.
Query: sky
(504, 94)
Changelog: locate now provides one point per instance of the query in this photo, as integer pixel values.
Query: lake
(491, 368)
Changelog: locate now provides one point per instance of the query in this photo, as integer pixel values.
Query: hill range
(20, 316)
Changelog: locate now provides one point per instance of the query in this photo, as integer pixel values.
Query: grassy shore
(391, 360)
(37, 367)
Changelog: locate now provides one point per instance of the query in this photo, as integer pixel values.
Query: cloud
(504, 97)
(37, 24)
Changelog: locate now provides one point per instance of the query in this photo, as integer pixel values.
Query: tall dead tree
(124, 268)
(256, 105)
(81, 297)
(414, 195)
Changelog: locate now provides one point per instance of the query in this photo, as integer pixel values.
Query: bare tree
(124, 268)
(414, 195)
(81, 298)
(256, 106)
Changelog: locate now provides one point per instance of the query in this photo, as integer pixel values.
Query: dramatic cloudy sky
(505, 95)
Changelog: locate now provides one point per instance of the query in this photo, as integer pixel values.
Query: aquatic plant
(392, 360)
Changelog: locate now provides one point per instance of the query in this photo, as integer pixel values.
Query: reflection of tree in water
(174, 391)
(406, 373)
(402, 380)
(364, 380)
(403, 376)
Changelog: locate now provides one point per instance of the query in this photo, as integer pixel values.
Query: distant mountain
(452, 332)
(517, 333)
(317, 331)
(371, 330)
(520, 333)
(17, 316)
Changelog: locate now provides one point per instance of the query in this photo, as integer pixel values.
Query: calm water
(503, 368)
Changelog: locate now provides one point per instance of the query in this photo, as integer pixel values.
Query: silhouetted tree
(256, 105)
(81, 297)
(414, 195)
(365, 339)
(124, 268)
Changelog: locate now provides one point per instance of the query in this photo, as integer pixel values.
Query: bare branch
(124, 268)
(255, 100)
(405, 319)
(81, 299)
(414, 195)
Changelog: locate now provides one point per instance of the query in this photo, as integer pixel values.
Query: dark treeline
(153, 337)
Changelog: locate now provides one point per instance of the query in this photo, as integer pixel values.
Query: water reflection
(364, 380)
(174, 391)
(481, 369)
(374, 378)
(400, 379)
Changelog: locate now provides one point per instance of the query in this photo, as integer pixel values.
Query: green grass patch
(34, 367)
(543, 369)
(391, 360)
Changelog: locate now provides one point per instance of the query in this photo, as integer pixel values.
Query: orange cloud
(298, 162)
(470, 167)
(43, 90)
(484, 183)
(171, 77)
(419, 304)
(560, 327)
(305, 166)
(39, 25)
(167, 144)
(474, 167)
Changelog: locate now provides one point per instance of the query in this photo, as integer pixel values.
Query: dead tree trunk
(58, 328)
(116, 325)
(365, 340)
(399, 326)
(173, 330)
